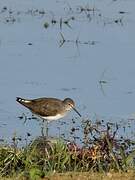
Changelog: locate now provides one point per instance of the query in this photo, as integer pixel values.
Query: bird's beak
(76, 111)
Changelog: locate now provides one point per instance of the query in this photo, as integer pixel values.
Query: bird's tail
(22, 101)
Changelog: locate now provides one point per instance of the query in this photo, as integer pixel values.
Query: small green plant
(46, 25)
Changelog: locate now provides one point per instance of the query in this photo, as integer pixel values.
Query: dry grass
(92, 176)
(83, 176)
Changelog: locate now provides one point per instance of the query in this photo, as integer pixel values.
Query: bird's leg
(44, 129)
(47, 128)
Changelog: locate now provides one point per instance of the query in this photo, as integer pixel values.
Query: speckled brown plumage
(48, 107)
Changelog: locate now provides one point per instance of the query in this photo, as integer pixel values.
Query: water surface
(95, 65)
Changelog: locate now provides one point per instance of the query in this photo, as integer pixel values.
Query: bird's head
(70, 104)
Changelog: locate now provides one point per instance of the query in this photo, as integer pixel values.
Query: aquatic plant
(101, 152)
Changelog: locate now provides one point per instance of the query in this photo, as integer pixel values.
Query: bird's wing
(46, 108)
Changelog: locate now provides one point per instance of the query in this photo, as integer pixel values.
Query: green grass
(103, 155)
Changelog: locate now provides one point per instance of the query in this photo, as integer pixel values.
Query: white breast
(51, 118)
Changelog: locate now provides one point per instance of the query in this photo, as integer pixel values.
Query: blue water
(97, 72)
